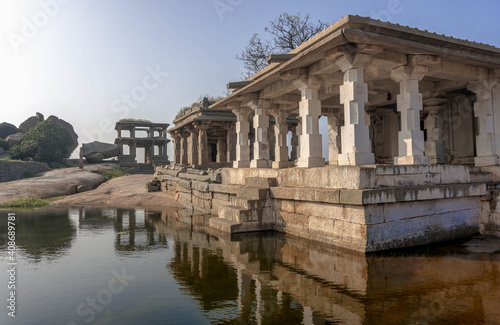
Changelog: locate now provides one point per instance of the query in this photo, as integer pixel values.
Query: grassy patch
(116, 172)
(55, 198)
(134, 120)
(29, 203)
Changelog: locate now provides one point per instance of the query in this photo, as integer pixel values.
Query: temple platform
(362, 208)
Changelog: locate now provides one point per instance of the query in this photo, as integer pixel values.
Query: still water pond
(116, 266)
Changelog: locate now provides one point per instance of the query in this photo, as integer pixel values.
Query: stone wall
(360, 208)
(14, 170)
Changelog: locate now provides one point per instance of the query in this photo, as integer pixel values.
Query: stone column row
(355, 144)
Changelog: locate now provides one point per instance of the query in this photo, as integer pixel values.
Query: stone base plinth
(241, 164)
(411, 160)
(356, 159)
(311, 162)
(282, 164)
(260, 163)
(485, 161)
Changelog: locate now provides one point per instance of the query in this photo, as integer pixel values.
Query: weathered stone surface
(97, 151)
(423, 230)
(13, 170)
(253, 193)
(202, 195)
(201, 204)
(249, 204)
(200, 178)
(69, 128)
(14, 139)
(262, 182)
(413, 193)
(221, 188)
(196, 171)
(237, 176)
(95, 157)
(28, 124)
(7, 129)
(306, 194)
(200, 186)
(221, 196)
(217, 205)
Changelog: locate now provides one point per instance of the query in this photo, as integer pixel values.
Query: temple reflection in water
(275, 278)
(263, 277)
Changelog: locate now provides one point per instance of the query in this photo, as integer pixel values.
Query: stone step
(225, 225)
(252, 193)
(260, 182)
(248, 204)
(236, 214)
(480, 177)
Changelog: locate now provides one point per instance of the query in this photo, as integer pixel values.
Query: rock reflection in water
(42, 234)
(313, 283)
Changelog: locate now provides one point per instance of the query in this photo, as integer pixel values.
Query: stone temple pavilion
(413, 132)
(206, 137)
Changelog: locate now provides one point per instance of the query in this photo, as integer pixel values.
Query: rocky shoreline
(126, 191)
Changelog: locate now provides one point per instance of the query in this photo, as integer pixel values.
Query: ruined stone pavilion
(152, 137)
(413, 131)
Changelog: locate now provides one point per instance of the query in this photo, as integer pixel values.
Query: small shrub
(116, 172)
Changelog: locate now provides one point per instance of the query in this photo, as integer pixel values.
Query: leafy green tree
(46, 142)
(287, 32)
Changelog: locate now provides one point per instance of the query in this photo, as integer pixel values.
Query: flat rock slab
(126, 191)
(53, 183)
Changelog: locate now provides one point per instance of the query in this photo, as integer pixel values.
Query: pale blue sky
(84, 58)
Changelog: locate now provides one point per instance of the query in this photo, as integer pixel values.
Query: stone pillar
(221, 151)
(193, 147)
(333, 138)
(164, 152)
(80, 166)
(311, 154)
(203, 152)
(261, 126)
(271, 139)
(294, 142)
(298, 131)
(280, 132)
(231, 143)
(133, 149)
(242, 129)
(434, 145)
(184, 148)
(177, 148)
(483, 111)
(353, 94)
(410, 138)
(119, 131)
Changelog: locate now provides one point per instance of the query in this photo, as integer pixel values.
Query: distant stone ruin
(142, 134)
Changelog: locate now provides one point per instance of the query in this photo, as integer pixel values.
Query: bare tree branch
(287, 31)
